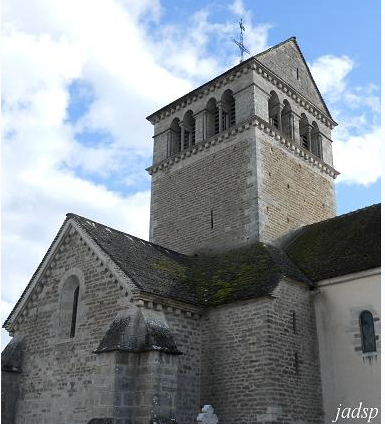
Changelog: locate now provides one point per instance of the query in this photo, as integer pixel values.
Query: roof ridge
(274, 250)
(275, 46)
(158, 246)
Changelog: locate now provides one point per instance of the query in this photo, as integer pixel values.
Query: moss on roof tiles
(342, 245)
(206, 279)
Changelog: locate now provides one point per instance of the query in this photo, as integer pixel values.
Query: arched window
(228, 110)
(287, 120)
(316, 140)
(69, 305)
(212, 118)
(368, 336)
(188, 130)
(274, 110)
(304, 132)
(175, 137)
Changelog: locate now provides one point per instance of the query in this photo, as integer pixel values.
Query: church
(251, 295)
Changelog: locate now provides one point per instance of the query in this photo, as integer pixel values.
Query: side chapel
(251, 295)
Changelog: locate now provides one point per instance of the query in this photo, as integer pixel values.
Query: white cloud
(330, 73)
(358, 158)
(357, 140)
(237, 7)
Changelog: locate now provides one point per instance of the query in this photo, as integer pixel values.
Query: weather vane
(239, 43)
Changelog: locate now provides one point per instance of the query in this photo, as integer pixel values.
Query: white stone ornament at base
(207, 415)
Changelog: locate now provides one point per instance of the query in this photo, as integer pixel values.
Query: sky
(79, 78)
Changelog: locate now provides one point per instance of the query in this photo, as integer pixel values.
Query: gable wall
(284, 61)
(61, 382)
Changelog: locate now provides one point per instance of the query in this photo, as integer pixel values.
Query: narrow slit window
(74, 312)
(212, 219)
(368, 335)
(294, 322)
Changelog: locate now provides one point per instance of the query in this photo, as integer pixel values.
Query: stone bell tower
(245, 157)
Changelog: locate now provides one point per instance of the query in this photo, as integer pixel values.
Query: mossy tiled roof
(342, 245)
(238, 274)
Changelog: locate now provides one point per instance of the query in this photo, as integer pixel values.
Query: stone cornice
(246, 125)
(167, 305)
(229, 76)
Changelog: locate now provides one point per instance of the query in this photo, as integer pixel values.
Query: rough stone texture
(284, 60)
(291, 193)
(248, 363)
(9, 396)
(217, 182)
(74, 390)
(187, 336)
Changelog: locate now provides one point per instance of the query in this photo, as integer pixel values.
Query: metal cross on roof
(239, 43)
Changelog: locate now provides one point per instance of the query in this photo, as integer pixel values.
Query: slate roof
(127, 333)
(238, 274)
(338, 246)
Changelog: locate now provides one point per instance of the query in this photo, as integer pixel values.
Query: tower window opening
(175, 142)
(212, 219)
(212, 118)
(297, 74)
(186, 139)
(232, 114)
(216, 122)
(228, 109)
(304, 132)
(274, 110)
(305, 141)
(316, 140)
(188, 130)
(287, 121)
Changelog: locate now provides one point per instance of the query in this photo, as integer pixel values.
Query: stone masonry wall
(9, 396)
(207, 201)
(248, 359)
(291, 192)
(293, 365)
(187, 335)
(61, 382)
(235, 354)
